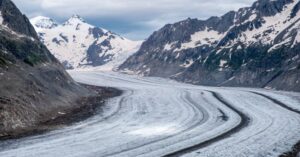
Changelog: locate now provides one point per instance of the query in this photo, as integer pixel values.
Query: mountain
(78, 44)
(256, 46)
(34, 87)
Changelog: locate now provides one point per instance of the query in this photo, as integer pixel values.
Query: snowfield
(159, 117)
(72, 42)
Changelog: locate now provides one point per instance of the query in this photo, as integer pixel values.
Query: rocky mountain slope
(256, 46)
(78, 44)
(34, 86)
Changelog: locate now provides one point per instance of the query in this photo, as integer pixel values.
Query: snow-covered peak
(78, 44)
(74, 20)
(43, 22)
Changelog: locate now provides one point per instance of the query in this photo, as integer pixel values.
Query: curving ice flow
(159, 117)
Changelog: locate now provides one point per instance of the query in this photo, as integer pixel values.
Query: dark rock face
(97, 32)
(34, 87)
(270, 8)
(96, 54)
(257, 46)
(295, 10)
(15, 20)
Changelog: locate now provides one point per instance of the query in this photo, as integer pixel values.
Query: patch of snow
(1, 18)
(231, 78)
(177, 56)
(270, 70)
(42, 22)
(169, 46)
(61, 113)
(222, 63)
(295, 58)
(201, 38)
(219, 50)
(239, 47)
(251, 18)
(276, 46)
(187, 63)
(166, 58)
(293, 68)
(297, 37)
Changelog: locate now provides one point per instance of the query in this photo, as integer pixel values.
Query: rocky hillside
(34, 86)
(78, 44)
(256, 46)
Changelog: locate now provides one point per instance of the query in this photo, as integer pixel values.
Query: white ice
(155, 117)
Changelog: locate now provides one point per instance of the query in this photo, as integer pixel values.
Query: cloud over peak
(130, 16)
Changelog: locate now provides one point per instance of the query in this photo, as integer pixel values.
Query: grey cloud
(141, 14)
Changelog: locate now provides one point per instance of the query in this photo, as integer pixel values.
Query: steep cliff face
(33, 85)
(257, 46)
(15, 20)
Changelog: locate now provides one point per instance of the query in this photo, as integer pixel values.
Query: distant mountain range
(78, 44)
(257, 46)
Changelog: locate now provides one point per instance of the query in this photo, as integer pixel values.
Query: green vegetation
(212, 62)
(24, 50)
(32, 59)
(2, 61)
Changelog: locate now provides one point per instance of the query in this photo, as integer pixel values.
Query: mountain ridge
(35, 87)
(78, 44)
(240, 48)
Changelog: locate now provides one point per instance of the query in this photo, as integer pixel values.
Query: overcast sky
(134, 19)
